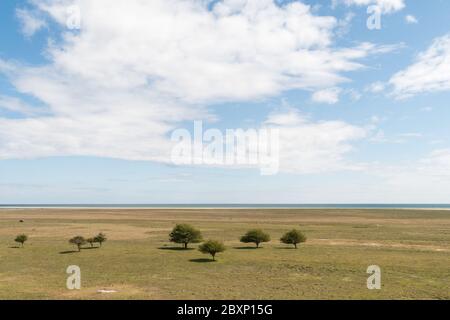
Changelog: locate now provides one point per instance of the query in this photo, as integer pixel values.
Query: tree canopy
(100, 238)
(185, 234)
(212, 247)
(78, 241)
(256, 236)
(293, 237)
(21, 238)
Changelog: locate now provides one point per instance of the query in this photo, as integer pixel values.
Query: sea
(230, 206)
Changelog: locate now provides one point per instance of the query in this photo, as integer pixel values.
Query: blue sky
(86, 114)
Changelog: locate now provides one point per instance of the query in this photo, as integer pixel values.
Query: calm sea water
(270, 206)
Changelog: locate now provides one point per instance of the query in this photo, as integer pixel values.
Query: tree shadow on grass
(68, 252)
(286, 248)
(247, 248)
(90, 248)
(15, 247)
(175, 248)
(202, 260)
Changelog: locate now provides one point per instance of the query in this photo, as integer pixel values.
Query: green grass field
(412, 247)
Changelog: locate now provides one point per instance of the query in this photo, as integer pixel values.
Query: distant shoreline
(235, 206)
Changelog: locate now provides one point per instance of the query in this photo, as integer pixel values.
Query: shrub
(100, 238)
(21, 238)
(212, 247)
(185, 234)
(78, 241)
(91, 241)
(256, 236)
(293, 237)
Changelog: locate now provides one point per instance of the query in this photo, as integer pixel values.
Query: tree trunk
(295, 245)
(214, 257)
(185, 245)
(257, 244)
(79, 248)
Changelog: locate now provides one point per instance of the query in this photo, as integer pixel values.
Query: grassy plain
(412, 247)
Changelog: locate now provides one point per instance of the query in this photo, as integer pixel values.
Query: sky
(91, 93)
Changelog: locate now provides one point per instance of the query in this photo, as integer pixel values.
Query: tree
(293, 237)
(256, 236)
(185, 234)
(100, 238)
(21, 238)
(212, 247)
(91, 241)
(78, 241)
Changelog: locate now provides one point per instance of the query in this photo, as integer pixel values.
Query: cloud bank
(385, 6)
(136, 70)
(429, 73)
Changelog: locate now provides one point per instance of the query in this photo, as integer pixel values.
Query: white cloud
(411, 135)
(410, 19)
(386, 6)
(241, 50)
(330, 96)
(438, 160)
(313, 147)
(17, 105)
(380, 137)
(137, 69)
(376, 87)
(437, 141)
(354, 94)
(429, 73)
(289, 117)
(426, 180)
(423, 181)
(344, 24)
(30, 22)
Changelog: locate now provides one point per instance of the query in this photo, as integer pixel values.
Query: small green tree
(100, 238)
(212, 247)
(185, 234)
(256, 236)
(293, 237)
(21, 238)
(91, 241)
(78, 241)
